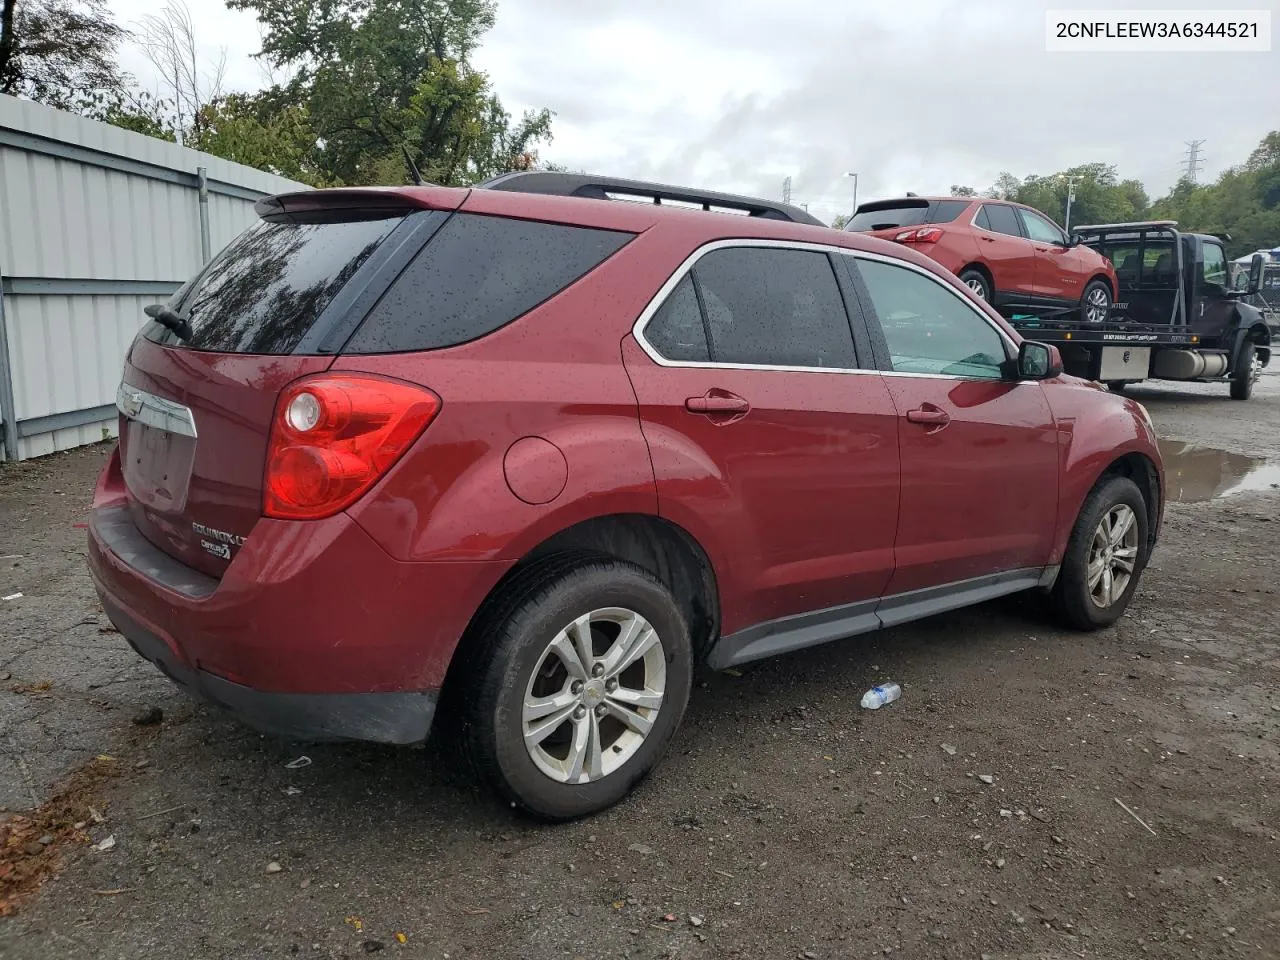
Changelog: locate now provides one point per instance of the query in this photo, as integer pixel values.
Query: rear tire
(555, 643)
(1095, 304)
(977, 283)
(1105, 556)
(1244, 376)
(1117, 386)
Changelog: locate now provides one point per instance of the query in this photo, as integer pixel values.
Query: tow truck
(1177, 315)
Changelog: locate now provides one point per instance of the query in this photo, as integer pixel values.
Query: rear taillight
(922, 235)
(334, 435)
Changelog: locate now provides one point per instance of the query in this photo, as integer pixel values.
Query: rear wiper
(167, 318)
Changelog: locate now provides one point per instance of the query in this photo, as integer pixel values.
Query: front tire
(1105, 556)
(1245, 374)
(977, 283)
(1095, 305)
(584, 682)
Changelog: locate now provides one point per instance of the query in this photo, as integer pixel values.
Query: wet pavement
(1036, 794)
(1195, 473)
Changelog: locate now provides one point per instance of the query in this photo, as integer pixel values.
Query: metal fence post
(202, 175)
(8, 408)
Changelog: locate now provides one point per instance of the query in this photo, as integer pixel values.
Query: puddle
(1194, 473)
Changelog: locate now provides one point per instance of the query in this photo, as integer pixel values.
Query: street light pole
(855, 192)
(1071, 195)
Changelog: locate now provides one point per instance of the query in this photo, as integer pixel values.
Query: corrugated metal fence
(95, 223)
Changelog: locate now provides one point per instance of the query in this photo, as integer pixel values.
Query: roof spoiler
(356, 203)
(605, 188)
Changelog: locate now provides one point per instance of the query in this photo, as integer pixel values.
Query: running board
(803, 630)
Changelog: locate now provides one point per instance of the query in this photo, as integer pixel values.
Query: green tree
(373, 78)
(840, 222)
(61, 53)
(1243, 202)
(1100, 195)
(260, 132)
(959, 190)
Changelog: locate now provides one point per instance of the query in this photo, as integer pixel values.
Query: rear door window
(1002, 219)
(266, 289)
(478, 273)
(676, 330)
(774, 307)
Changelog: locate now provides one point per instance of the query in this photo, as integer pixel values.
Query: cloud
(913, 95)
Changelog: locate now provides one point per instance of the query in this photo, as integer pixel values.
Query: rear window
(478, 273)
(909, 213)
(264, 291)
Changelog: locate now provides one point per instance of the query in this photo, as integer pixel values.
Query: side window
(945, 211)
(1002, 218)
(982, 220)
(1040, 229)
(478, 273)
(774, 307)
(676, 330)
(1215, 267)
(928, 328)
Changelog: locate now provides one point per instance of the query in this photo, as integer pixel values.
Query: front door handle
(929, 415)
(717, 402)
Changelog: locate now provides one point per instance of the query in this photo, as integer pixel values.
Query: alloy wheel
(1113, 555)
(978, 288)
(1098, 304)
(594, 695)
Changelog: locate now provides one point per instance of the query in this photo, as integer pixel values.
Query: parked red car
(1012, 256)
(532, 458)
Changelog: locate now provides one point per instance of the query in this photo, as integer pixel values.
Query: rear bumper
(313, 631)
(400, 718)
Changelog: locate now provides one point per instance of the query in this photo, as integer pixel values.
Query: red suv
(535, 454)
(1012, 256)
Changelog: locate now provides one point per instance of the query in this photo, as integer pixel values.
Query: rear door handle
(929, 415)
(717, 403)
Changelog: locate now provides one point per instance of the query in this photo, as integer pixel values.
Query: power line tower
(1193, 160)
(786, 190)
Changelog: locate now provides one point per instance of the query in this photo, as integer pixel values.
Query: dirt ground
(785, 823)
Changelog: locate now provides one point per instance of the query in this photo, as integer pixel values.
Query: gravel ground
(786, 821)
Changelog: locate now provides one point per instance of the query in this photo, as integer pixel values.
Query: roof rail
(1136, 225)
(605, 188)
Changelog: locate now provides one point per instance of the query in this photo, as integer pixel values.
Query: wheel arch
(664, 549)
(1111, 287)
(1142, 471)
(983, 269)
(1134, 464)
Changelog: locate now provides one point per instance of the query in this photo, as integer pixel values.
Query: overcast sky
(911, 94)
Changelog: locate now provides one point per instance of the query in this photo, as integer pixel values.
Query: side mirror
(1256, 263)
(1038, 361)
(1075, 240)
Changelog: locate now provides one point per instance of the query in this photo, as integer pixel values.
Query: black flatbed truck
(1177, 315)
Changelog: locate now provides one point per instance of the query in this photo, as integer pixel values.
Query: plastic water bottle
(877, 697)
